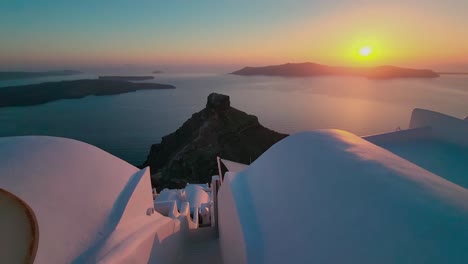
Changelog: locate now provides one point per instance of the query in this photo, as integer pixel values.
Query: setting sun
(365, 51)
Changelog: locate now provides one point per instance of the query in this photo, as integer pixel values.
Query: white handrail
(218, 160)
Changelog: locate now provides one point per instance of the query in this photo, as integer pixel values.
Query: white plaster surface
(231, 234)
(196, 196)
(345, 201)
(401, 136)
(90, 206)
(443, 127)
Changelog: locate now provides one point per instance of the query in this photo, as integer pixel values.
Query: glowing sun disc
(365, 51)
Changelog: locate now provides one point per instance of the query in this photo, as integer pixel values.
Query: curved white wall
(142, 235)
(71, 187)
(136, 199)
(156, 239)
(332, 197)
(231, 238)
(90, 206)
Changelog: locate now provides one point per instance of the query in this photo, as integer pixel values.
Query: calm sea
(126, 125)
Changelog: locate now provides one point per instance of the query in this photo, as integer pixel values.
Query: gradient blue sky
(66, 33)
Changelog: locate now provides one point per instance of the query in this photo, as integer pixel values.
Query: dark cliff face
(189, 154)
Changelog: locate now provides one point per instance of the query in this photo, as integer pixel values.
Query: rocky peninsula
(313, 69)
(42, 93)
(189, 154)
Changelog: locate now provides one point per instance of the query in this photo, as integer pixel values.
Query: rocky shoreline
(34, 94)
(18, 75)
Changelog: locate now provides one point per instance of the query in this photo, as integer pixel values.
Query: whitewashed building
(324, 196)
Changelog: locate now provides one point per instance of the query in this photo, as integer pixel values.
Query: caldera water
(126, 125)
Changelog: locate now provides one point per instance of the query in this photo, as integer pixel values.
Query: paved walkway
(202, 246)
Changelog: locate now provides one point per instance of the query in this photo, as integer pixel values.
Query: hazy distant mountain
(12, 75)
(126, 78)
(314, 69)
(51, 91)
(452, 73)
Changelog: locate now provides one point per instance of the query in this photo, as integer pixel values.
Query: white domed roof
(332, 197)
(71, 186)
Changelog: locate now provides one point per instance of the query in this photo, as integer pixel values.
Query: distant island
(126, 78)
(13, 75)
(42, 93)
(453, 73)
(157, 72)
(313, 69)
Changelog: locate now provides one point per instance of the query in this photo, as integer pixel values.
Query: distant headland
(13, 75)
(157, 72)
(126, 78)
(453, 73)
(42, 93)
(313, 69)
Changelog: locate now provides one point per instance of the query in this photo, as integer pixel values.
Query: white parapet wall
(231, 234)
(142, 235)
(330, 196)
(443, 127)
(426, 124)
(401, 135)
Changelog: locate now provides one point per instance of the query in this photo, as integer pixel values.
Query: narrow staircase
(202, 246)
